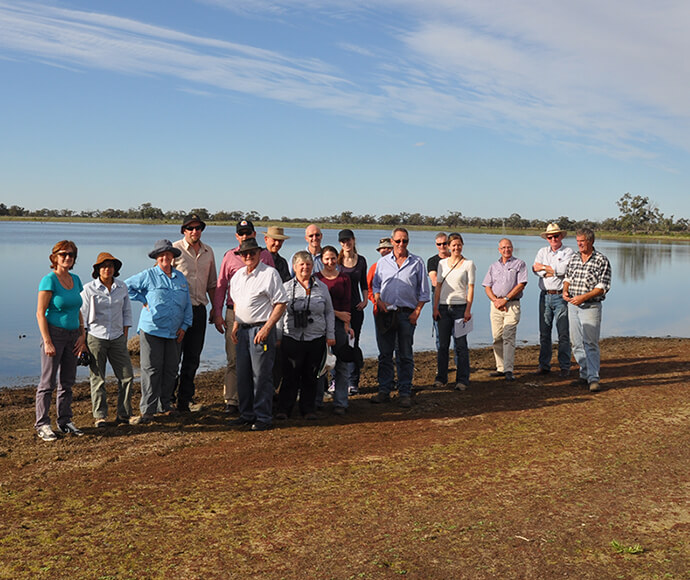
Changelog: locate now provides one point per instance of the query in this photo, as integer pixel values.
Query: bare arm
(44, 297)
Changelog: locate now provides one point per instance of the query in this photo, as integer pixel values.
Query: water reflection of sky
(636, 306)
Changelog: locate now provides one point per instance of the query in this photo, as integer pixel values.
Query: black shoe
(259, 426)
(579, 382)
(183, 409)
(509, 376)
(543, 371)
(239, 422)
(231, 409)
(564, 374)
(497, 374)
(280, 416)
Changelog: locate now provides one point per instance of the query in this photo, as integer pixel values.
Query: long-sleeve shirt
(168, 306)
(558, 260)
(402, 287)
(231, 264)
(503, 277)
(358, 281)
(106, 313)
(320, 312)
(583, 277)
(199, 269)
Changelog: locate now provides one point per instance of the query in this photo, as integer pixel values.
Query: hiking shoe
(594, 387)
(141, 419)
(70, 428)
(460, 386)
(240, 422)
(497, 374)
(509, 376)
(564, 374)
(340, 411)
(231, 409)
(353, 390)
(46, 433)
(259, 426)
(404, 401)
(100, 423)
(439, 384)
(380, 398)
(543, 371)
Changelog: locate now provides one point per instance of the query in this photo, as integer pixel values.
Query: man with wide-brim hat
(198, 264)
(274, 238)
(550, 266)
(259, 300)
(231, 263)
(162, 326)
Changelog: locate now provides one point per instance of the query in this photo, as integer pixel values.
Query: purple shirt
(502, 278)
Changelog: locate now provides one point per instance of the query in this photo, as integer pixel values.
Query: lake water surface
(638, 304)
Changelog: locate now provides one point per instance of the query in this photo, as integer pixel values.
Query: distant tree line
(637, 214)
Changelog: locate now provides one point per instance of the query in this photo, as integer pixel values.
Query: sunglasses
(401, 241)
(555, 237)
(314, 235)
(193, 228)
(67, 254)
(441, 244)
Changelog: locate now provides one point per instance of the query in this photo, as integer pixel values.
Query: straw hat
(552, 229)
(276, 233)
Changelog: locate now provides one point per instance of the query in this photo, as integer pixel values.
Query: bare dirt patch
(532, 479)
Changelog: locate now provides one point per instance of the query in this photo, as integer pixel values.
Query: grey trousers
(115, 352)
(159, 358)
(65, 362)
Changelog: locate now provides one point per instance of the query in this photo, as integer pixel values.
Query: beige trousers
(504, 330)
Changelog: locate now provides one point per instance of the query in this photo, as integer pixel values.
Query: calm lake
(637, 305)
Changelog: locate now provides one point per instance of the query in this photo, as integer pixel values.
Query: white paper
(463, 328)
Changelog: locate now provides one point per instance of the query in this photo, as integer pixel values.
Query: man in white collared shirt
(550, 266)
(198, 265)
(260, 300)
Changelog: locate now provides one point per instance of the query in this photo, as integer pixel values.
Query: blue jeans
(399, 340)
(585, 327)
(552, 308)
(255, 375)
(342, 370)
(446, 327)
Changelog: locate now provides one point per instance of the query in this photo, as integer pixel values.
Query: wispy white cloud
(607, 76)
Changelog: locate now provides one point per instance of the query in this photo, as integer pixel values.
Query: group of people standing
(284, 321)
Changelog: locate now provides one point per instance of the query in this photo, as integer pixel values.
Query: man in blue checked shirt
(587, 281)
(401, 288)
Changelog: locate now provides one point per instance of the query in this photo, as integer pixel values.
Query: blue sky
(315, 107)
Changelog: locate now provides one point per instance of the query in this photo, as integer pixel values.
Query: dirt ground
(532, 479)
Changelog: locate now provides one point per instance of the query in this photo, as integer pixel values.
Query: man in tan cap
(550, 265)
(274, 238)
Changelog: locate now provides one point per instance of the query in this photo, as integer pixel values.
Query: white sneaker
(46, 433)
(352, 390)
(70, 428)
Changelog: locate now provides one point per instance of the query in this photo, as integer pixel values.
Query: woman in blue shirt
(62, 333)
(166, 316)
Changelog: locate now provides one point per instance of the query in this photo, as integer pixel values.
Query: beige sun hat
(276, 233)
(553, 229)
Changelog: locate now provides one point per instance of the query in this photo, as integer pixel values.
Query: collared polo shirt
(229, 266)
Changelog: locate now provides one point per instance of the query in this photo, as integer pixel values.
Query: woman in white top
(107, 314)
(453, 299)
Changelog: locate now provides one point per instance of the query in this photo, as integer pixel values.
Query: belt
(405, 309)
(552, 291)
(254, 325)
